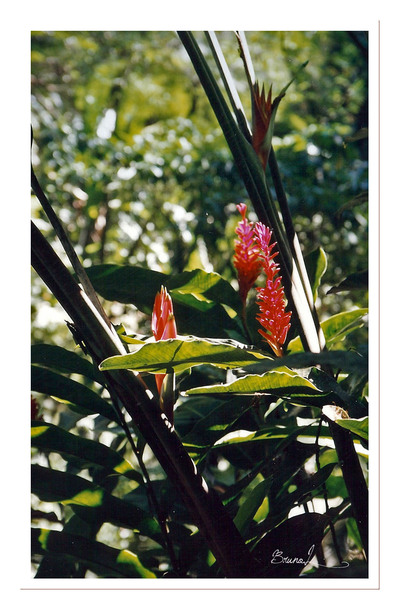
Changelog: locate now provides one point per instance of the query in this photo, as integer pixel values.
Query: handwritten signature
(279, 557)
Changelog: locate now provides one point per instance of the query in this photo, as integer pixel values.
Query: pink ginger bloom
(246, 259)
(271, 297)
(163, 323)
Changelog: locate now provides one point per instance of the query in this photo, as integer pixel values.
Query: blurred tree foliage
(134, 162)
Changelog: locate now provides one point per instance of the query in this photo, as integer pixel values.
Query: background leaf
(83, 398)
(198, 296)
(105, 561)
(48, 437)
(63, 360)
(84, 496)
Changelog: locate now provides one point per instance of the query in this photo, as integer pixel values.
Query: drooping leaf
(100, 558)
(182, 354)
(279, 383)
(63, 360)
(84, 399)
(55, 486)
(48, 437)
(359, 199)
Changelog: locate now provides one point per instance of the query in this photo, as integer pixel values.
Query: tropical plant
(231, 440)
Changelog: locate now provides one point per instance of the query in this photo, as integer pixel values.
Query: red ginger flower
(163, 323)
(254, 253)
(246, 258)
(271, 297)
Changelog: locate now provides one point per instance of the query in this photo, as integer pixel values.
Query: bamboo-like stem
(207, 511)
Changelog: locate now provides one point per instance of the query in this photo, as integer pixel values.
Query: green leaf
(357, 426)
(338, 326)
(223, 417)
(182, 354)
(280, 383)
(317, 264)
(335, 328)
(48, 437)
(127, 284)
(130, 284)
(204, 287)
(252, 503)
(100, 558)
(70, 391)
(63, 360)
(85, 497)
(195, 294)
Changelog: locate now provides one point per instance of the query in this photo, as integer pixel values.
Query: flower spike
(271, 297)
(164, 327)
(246, 259)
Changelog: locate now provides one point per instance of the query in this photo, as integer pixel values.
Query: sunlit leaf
(357, 426)
(182, 354)
(280, 383)
(200, 298)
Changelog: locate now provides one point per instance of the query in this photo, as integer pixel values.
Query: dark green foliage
(134, 163)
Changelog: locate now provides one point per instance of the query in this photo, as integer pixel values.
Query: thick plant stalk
(208, 513)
